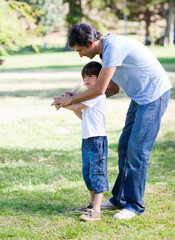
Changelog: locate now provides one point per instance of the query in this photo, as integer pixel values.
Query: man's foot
(108, 205)
(86, 208)
(91, 216)
(124, 214)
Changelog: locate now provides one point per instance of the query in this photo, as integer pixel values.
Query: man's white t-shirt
(138, 71)
(93, 117)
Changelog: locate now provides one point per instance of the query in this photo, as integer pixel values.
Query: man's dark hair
(82, 33)
(91, 68)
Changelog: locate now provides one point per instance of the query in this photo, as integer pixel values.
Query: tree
(148, 11)
(73, 17)
(169, 12)
(152, 10)
(100, 13)
(96, 12)
(50, 14)
(17, 24)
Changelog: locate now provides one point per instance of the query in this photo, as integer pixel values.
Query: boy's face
(86, 51)
(89, 80)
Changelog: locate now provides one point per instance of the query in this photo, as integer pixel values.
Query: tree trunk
(147, 17)
(67, 48)
(73, 17)
(169, 30)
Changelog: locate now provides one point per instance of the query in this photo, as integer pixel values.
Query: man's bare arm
(99, 88)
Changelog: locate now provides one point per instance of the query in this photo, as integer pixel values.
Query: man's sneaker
(86, 208)
(124, 214)
(108, 205)
(91, 216)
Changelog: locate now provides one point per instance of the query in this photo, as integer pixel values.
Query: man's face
(85, 51)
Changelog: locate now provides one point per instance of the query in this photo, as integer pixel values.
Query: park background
(41, 182)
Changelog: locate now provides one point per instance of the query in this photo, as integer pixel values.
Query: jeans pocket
(98, 166)
(143, 121)
(163, 105)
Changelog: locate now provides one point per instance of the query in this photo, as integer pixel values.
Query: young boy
(94, 143)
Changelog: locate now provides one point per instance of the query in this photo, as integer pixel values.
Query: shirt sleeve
(113, 54)
(90, 103)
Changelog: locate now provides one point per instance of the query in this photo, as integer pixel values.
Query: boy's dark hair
(91, 68)
(82, 33)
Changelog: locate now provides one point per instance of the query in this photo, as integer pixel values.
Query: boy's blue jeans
(94, 168)
(136, 141)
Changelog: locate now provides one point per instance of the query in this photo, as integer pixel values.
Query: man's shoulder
(120, 40)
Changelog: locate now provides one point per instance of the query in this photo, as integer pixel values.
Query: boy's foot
(86, 208)
(108, 205)
(124, 214)
(91, 216)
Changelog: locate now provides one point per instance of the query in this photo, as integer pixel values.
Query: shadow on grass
(28, 50)
(50, 93)
(35, 93)
(167, 67)
(49, 67)
(167, 61)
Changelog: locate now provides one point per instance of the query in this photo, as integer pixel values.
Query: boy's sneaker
(108, 205)
(124, 214)
(86, 208)
(91, 216)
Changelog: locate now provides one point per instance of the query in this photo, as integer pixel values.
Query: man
(127, 63)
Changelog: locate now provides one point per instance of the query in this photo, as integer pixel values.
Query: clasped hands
(63, 100)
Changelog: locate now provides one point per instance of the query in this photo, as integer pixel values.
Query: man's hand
(62, 101)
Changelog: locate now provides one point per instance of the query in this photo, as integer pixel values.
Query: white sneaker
(124, 214)
(108, 205)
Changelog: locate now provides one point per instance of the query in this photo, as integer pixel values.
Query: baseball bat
(75, 89)
(77, 86)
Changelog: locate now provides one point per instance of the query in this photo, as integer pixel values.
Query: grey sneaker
(108, 205)
(124, 214)
(86, 208)
(91, 216)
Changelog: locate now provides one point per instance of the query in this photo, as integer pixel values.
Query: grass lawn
(41, 182)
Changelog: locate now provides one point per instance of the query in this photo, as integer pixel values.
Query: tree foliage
(17, 24)
(95, 12)
(100, 14)
(50, 16)
(75, 13)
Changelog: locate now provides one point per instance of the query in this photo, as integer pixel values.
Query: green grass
(41, 182)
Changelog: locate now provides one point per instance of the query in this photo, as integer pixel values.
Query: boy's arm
(79, 114)
(76, 108)
(112, 89)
